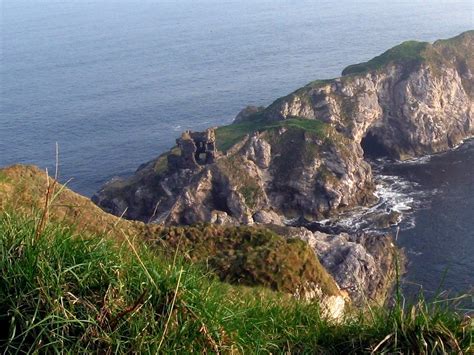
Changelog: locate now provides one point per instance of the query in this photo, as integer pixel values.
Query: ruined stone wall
(197, 149)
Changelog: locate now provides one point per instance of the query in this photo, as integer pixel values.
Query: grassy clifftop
(411, 53)
(227, 136)
(69, 292)
(61, 290)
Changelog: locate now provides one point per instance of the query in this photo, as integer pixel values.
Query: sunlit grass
(228, 136)
(77, 293)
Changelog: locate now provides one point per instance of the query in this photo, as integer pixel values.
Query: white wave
(395, 195)
(419, 160)
(413, 252)
(324, 221)
(458, 145)
(407, 223)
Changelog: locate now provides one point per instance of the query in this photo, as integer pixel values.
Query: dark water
(114, 83)
(439, 235)
(434, 197)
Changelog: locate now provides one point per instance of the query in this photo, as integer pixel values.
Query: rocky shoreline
(305, 158)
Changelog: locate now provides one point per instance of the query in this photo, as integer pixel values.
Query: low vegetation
(64, 291)
(239, 255)
(291, 144)
(160, 164)
(228, 136)
(409, 51)
(446, 52)
(251, 256)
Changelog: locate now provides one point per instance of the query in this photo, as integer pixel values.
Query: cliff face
(415, 99)
(305, 154)
(282, 171)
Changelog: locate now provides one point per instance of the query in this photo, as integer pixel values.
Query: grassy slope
(243, 255)
(412, 53)
(409, 51)
(64, 291)
(252, 256)
(229, 135)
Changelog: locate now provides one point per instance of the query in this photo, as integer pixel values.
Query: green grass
(80, 294)
(250, 194)
(228, 136)
(406, 52)
(3, 177)
(161, 164)
(251, 256)
(414, 52)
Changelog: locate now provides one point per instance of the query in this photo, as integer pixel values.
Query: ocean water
(115, 82)
(438, 231)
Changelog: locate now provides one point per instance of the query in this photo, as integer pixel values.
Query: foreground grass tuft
(78, 293)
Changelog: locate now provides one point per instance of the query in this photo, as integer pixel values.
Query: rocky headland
(306, 153)
(307, 156)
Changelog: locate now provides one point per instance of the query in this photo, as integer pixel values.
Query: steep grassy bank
(239, 255)
(66, 291)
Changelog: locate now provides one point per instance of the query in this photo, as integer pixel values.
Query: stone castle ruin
(196, 148)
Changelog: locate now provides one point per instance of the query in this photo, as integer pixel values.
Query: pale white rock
(267, 217)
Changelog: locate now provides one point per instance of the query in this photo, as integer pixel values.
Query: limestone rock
(247, 113)
(393, 106)
(259, 151)
(267, 217)
(362, 264)
(332, 306)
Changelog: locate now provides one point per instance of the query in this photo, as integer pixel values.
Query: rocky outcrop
(415, 99)
(305, 155)
(273, 175)
(362, 264)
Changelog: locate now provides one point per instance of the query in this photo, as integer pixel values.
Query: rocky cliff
(415, 99)
(305, 154)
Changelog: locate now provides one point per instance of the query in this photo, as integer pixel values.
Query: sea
(113, 83)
